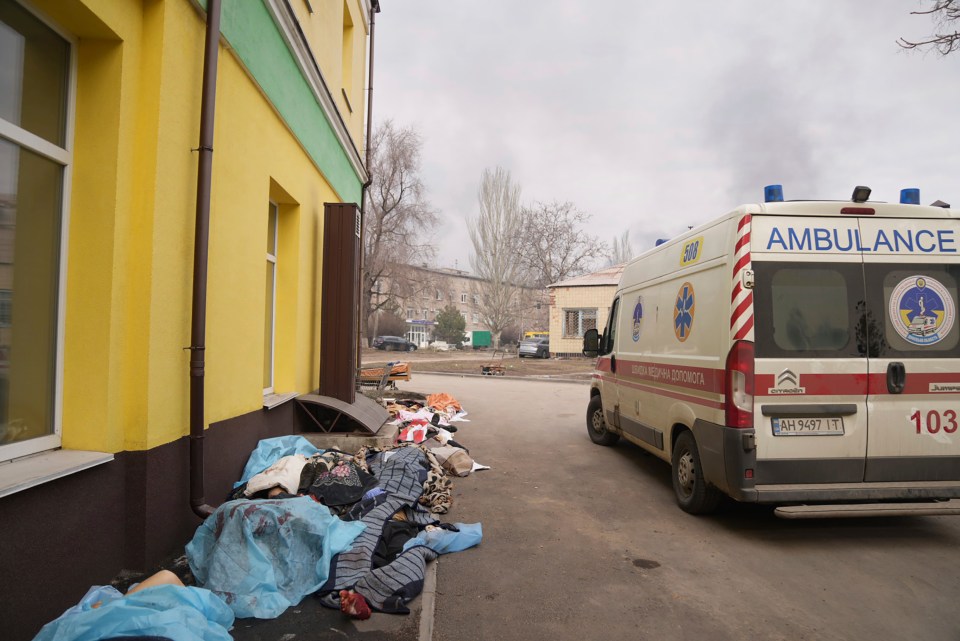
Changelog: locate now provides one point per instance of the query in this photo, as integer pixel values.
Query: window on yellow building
(347, 60)
(577, 321)
(270, 300)
(35, 160)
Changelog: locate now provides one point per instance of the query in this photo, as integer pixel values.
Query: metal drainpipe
(374, 9)
(201, 240)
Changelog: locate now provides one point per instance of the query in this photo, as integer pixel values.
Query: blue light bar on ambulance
(773, 194)
(910, 196)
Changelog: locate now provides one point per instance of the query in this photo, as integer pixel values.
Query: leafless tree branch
(621, 251)
(496, 242)
(398, 222)
(945, 13)
(555, 245)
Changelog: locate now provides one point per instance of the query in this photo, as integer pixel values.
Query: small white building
(579, 304)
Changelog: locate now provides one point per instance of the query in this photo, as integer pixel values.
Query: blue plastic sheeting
(170, 611)
(271, 450)
(263, 556)
(445, 541)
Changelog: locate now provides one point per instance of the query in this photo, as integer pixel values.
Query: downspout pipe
(198, 322)
(374, 10)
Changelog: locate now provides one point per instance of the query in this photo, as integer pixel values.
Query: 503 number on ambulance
(795, 353)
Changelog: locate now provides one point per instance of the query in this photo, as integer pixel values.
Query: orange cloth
(398, 369)
(442, 401)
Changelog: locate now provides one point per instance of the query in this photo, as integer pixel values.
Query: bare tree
(555, 246)
(621, 251)
(945, 13)
(496, 244)
(396, 217)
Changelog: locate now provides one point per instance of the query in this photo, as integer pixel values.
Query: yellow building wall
(325, 29)
(131, 230)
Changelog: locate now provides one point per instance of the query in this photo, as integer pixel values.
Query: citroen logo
(787, 377)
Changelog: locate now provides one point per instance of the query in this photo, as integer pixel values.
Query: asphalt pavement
(586, 542)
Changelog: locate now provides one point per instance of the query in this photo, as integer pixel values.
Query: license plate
(807, 426)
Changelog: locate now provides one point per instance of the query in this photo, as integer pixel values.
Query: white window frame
(64, 157)
(463, 297)
(274, 208)
(578, 333)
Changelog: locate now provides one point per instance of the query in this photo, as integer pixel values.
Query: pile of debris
(355, 529)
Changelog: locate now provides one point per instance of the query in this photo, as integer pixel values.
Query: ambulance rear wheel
(694, 494)
(597, 426)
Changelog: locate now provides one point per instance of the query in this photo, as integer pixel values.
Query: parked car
(535, 347)
(393, 344)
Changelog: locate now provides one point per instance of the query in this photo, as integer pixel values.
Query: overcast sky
(652, 116)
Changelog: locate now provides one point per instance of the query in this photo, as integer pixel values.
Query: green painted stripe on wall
(257, 41)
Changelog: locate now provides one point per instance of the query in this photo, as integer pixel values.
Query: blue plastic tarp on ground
(444, 541)
(263, 556)
(271, 450)
(169, 611)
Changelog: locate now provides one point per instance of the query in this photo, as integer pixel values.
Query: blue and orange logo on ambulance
(921, 310)
(683, 312)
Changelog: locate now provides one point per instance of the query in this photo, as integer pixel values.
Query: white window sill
(272, 400)
(30, 471)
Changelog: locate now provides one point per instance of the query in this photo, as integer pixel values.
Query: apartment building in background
(437, 287)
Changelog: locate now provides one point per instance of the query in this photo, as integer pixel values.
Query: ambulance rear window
(806, 310)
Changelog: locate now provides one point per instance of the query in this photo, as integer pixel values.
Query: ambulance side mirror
(591, 343)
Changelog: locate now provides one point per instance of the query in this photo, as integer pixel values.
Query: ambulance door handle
(896, 378)
(613, 363)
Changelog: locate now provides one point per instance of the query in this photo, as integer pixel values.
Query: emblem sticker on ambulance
(921, 310)
(637, 317)
(683, 312)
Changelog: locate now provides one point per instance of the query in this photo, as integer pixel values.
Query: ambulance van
(804, 354)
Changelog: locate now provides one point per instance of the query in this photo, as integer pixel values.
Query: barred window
(578, 321)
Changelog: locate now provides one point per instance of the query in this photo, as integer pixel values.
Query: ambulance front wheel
(596, 426)
(694, 494)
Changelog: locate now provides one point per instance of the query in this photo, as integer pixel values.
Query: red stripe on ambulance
(741, 299)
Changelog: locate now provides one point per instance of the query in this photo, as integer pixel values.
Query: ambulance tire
(597, 426)
(694, 494)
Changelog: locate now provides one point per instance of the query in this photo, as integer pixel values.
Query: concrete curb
(428, 602)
